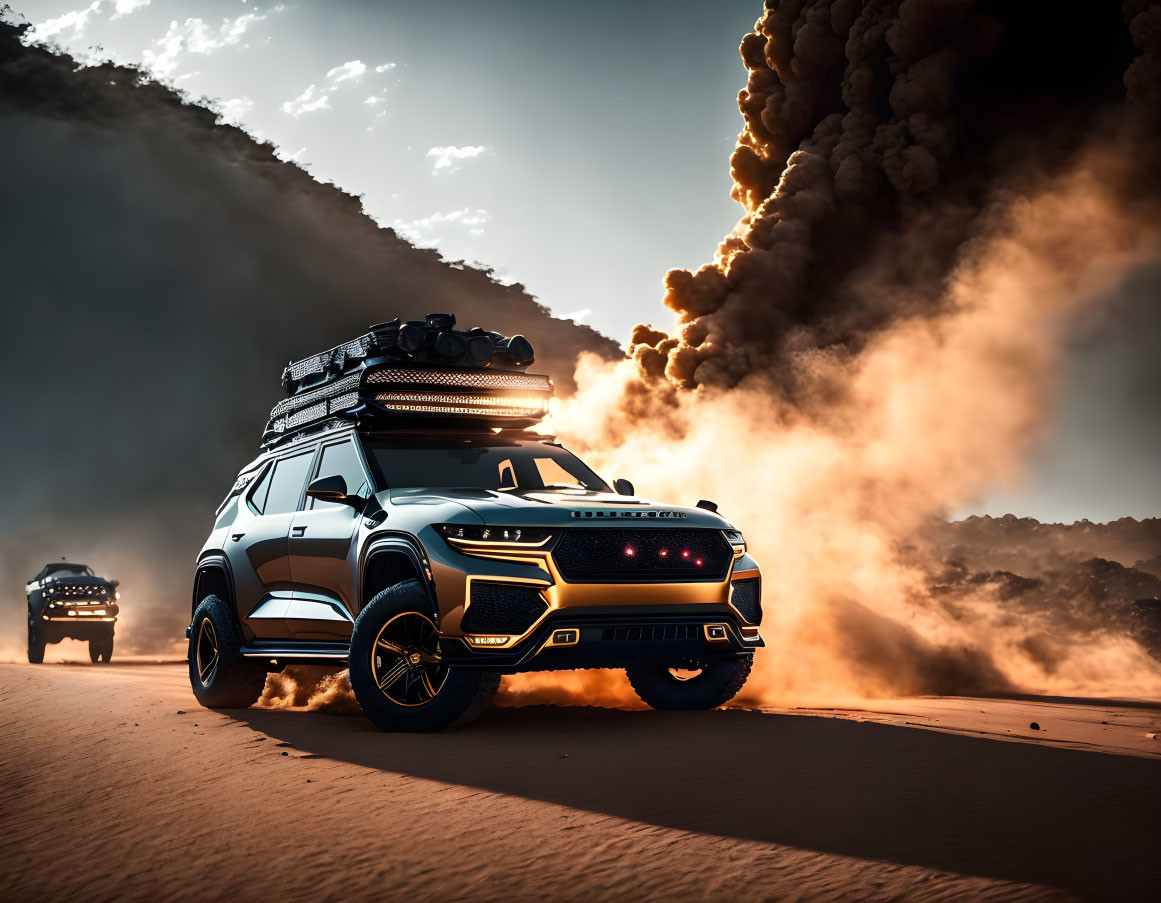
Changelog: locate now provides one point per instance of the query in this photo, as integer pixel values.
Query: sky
(579, 149)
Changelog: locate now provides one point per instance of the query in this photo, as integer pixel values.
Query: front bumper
(79, 611)
(656, 620)
(613, 638)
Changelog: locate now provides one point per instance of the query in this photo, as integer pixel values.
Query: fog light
(488, 640)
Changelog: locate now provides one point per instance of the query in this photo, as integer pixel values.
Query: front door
(257, 545)
(323, 552)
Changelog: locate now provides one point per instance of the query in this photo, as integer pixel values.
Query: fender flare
(401, 544)
(216, 559)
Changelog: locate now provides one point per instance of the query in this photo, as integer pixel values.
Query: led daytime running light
(457, 534)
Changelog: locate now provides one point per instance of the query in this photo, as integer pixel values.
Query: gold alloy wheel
(405, 660)
(206, 652)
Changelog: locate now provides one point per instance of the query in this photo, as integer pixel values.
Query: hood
(78, 581)
(560, 508)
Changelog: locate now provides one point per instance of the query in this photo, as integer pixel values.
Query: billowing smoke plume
(937, 194)
(157, 271)
(879, 136)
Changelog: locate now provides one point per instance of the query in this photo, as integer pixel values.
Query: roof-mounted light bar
(488, 405)
(414, 371)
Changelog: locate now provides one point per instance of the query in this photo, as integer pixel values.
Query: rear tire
(219, 675)
(717, 683)
(395, 670)
(35, 642)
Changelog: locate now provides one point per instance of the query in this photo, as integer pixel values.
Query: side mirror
(333, 489)
(623, 487)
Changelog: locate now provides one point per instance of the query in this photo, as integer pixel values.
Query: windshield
(68, 570)
(505, 466)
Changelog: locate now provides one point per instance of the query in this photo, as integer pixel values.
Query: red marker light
(698, 562)
(629, 552)
(664, 553)
(685, 554)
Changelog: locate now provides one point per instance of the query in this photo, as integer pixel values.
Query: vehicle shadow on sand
(1085, 821)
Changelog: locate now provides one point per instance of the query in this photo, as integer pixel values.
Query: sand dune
(115, 785)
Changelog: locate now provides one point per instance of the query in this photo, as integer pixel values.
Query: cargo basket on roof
(417, 373)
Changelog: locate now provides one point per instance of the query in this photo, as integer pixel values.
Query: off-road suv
(68, 601)
(404, 520)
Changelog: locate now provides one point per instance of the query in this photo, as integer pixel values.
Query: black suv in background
(404, 521)
(68, 601)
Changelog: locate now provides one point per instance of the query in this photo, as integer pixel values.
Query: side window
(257, 496)
(341, 459)
(287, 483)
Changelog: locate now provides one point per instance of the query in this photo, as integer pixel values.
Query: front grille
(747, 599)
(669, 556)
(502, 608)
(650, 633)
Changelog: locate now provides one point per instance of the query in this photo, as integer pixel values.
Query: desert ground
(114, 784)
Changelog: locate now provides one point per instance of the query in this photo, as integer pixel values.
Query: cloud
(128, 7)
(195, 36)
(287, 157)
(346, 72)
(386, 67)
(448, 158)
(431, 229)
(71, 24)
(307, 102)
(578, 316)
(235, 108)
(373, 100)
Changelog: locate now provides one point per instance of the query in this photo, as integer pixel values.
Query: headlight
(468, 535)
(734, 538)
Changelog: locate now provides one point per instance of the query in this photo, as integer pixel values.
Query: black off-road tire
(718, 683)
(101, 648)
(232, 682)
(35, 642)
(461, 698)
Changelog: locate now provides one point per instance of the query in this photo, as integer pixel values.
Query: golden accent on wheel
(206, 652)
(406, 662)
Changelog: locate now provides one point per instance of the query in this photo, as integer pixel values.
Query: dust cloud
(937, 197)
(157, 270)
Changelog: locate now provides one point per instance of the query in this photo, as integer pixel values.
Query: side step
(280, 653)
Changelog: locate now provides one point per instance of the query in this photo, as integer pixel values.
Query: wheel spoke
(393, 674)
(392, 647)
(427, 685)
(208, 669)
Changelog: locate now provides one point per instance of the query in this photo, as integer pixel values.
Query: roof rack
(415, 374)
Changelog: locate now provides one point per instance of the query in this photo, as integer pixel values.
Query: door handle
(237, 537)
(298, 531)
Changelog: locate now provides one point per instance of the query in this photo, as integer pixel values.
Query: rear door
(323, 550)
(257, 544)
